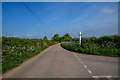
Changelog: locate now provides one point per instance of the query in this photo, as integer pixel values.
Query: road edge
(28, 59)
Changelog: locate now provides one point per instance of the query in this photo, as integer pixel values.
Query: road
(56, 62)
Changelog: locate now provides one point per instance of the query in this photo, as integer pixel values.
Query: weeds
(16, 50)
(105, 45)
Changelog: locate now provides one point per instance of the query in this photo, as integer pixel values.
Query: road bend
(56, 62)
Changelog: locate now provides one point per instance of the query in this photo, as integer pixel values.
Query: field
(16, 50)
(105, 46)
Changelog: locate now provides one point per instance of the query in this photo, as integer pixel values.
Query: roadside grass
(104, 46)
(17, 50)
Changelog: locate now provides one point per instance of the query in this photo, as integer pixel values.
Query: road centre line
(82, 62)
(77, 57)
(89, 71)
(85, 66)
(102, 76)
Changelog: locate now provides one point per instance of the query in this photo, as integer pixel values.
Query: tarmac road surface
(56, 62)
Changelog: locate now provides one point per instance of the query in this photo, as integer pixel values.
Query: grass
(95, 47)
(16, 50)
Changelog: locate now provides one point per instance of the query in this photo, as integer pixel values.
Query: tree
(56, 38)
(66, 37)
(75, 39)
(45, 38)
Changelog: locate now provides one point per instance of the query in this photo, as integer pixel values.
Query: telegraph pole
(80, 38)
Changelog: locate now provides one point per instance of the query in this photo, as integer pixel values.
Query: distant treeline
(101, 40)
(17, 50)
(65, 37)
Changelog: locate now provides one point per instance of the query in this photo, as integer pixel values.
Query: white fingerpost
(80, 38)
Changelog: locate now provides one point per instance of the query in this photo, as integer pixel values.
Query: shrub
(16, 50)
(105, 45)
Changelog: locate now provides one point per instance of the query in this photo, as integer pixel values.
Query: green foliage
(115, 39)
(71, 46)
(45, 38)
(75, 39)
(66, 37)
(105, 45)
(56, 38)
(16, 50)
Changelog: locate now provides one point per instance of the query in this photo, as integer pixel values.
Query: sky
(91, 18)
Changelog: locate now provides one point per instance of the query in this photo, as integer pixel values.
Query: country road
(56, 62)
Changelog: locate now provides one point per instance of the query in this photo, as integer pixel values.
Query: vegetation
(45, 38)
(65, 37)
(56, 38)
(16, 50)
(105, 45)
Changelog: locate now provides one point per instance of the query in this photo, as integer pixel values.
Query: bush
(16, 50)
(105, 45)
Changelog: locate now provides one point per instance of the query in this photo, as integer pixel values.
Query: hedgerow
(17, 50)
(105, 45)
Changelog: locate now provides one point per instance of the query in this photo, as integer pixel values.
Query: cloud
(24, 35)
(107, 10)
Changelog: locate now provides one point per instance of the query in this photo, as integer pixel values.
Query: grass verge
(17, 50)
(93, 49)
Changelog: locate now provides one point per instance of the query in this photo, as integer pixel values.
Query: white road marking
(77, 57)
(102, 76)
(81, 62)
(85, 66)
(89, 71)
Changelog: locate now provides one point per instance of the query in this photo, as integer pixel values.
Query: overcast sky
(91, 18)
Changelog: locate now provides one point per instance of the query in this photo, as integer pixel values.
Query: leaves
(17, 50)
(105, 45)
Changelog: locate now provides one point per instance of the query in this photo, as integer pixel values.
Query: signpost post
(80, 39)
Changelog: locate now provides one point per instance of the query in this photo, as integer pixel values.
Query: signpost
(80, 38)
